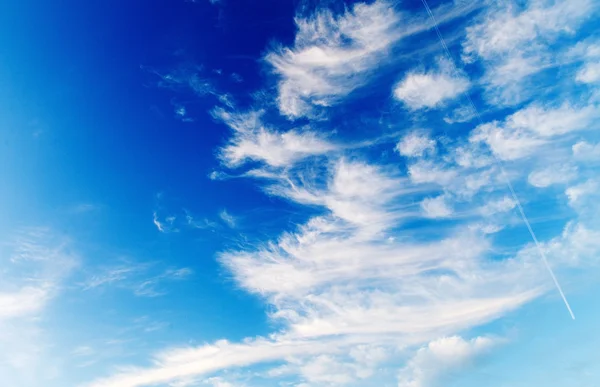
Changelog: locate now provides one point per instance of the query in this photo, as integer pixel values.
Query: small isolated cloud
(164, 225)
(557, 174)
(442, 356)
(436, 207)
(228, 219)
(218, 175)
(182, 114)
(415, 144)
(418, 90)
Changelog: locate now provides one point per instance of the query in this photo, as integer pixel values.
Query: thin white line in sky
(499, 163)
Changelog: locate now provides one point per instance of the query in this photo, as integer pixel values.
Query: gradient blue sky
(298, 193)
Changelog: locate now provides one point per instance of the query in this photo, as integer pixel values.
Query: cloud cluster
(516, 41)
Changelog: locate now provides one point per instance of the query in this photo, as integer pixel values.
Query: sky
(298, 193)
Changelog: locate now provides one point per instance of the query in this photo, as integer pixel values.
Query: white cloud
(436, 207)
(460, 114)
(589, 73)
(165, 225)
(23, 302)
(332, 55)
(339, 282)
(549, 121)
(506, 27)
(523, 132)
(415, 144)
(584, 151)
(348, 278)
(557, 174)
(578, 192)
(506, 143)
(431, 89)
(442, 356)
(515, 41)
(426, 171)
(228, 219)
(590, 70)
(254, 141)
(504, 204)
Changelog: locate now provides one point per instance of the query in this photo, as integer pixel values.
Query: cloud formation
(332, 55)
(390, 239)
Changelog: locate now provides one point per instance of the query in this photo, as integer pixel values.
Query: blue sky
(298, 193)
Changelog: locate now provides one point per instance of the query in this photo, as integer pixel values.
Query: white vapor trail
(501, 167)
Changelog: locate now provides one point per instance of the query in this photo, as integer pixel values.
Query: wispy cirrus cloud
(142, 279)
(230, 220)
(332, 55)
(253, 140)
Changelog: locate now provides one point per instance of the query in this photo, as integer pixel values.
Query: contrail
(499, 163)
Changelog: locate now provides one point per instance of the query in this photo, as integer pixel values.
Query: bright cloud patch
(441, 356)
(419, 90)
(436, 207)
(254, 141)
(332, 55)
(552, 175)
